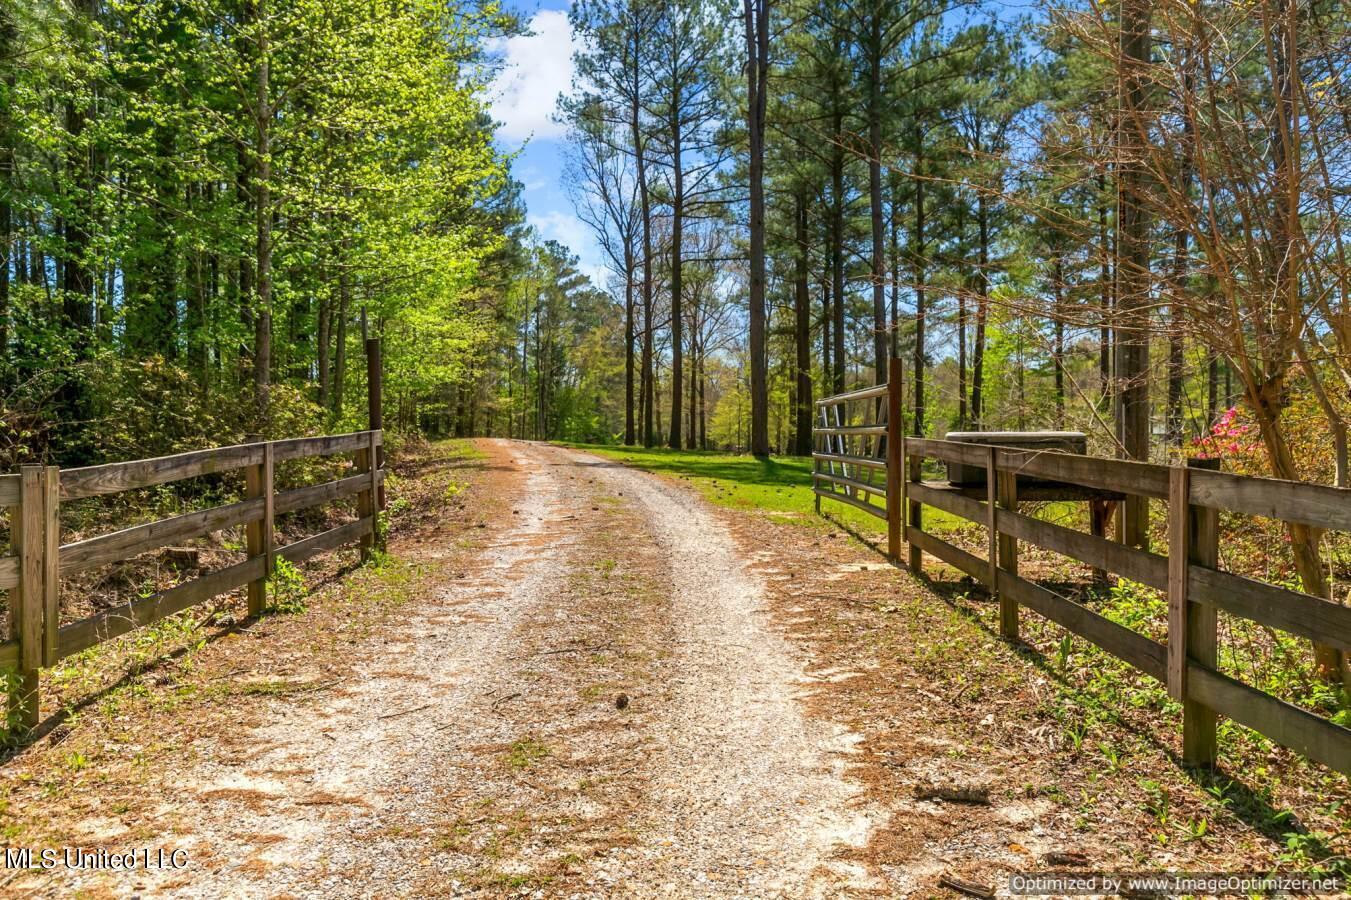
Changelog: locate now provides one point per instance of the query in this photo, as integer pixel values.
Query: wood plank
(1286, 724)
(92, 481)
(128, 542)
(939, 495)
(1146, 655)
(1319, 505)
(948, 451)
(848, 396)
(850, 460)
(1032, 490)
(9, 655)
(324, 445)
(51, 562)
(1200, 743)
(320, 494)
(1137, 565)
(324, 541)
(956, 557)
(9, 572)
(1126, 476)
(1178, 551)
(119, 620)
(875, 489)
(1298, 613)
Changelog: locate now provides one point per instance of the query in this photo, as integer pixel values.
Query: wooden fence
(1189, 572)
(32, 575)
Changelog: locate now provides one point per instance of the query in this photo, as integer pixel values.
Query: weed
(1156, 800)
(287, 588)
(526, 752)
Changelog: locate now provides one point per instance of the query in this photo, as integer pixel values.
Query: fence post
(914, 514)
(375, 411)
(27, 600)
(51, 564)
(363, 459)
(258, 482)
(1007, 489)
(377, 490)
(1193, 538)
(895, 460)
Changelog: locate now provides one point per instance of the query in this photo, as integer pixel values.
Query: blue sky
(524, 98)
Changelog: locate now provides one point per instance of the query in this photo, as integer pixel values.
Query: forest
(1123, 220)
(1052, 225)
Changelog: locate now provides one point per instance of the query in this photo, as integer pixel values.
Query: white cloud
(565, 228)
(537, 67)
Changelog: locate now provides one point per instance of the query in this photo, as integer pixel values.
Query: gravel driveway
(596, 706)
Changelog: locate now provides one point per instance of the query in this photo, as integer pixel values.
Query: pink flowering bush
(1234, 439)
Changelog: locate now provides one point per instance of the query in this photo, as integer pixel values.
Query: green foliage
(145, 144)
(286, 588)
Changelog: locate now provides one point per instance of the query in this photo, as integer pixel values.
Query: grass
(779, 485)
(523, 753)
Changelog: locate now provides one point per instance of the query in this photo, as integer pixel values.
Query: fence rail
(32, 574)
(1189, 573)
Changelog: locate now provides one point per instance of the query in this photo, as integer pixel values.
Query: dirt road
(598, 706)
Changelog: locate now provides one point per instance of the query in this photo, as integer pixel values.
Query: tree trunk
(9, 36)
(1178, 281)
(837, 255)
(262, 342)
(1133, 266)
(324, 348)
(645, 209)
(1105, 284)
(895, 276)
(982, 312)
(826, 337)
(881, 353)
(757, 69)
(1288, 260)
(802, 332)
(629, 424)
(677, 254)
(920, 275)
(962, 315)
(1059, 350)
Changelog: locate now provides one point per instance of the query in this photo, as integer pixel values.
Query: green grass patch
(525, 752)
(781, 485)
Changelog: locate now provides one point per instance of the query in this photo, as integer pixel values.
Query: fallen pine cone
(622, 701)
